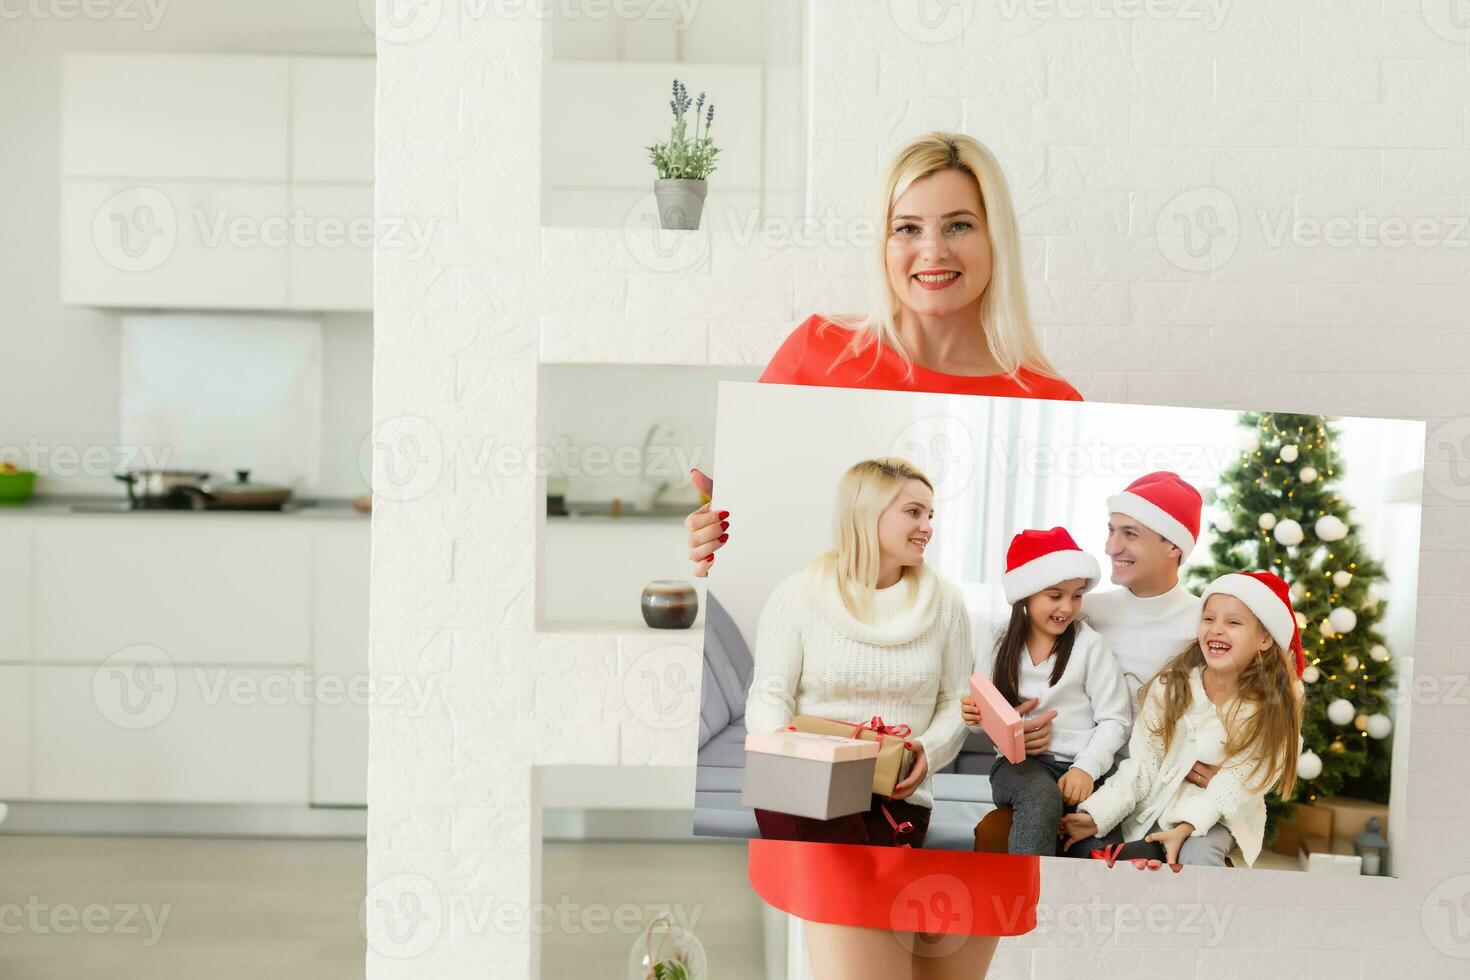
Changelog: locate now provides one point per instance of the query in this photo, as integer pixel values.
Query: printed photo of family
(1107, 632)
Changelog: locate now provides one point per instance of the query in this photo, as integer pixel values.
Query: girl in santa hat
(1231, 698)
(1047, 660)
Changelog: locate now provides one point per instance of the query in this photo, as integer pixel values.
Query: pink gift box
(999, 718)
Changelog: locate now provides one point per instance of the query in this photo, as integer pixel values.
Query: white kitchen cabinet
(15, 593)
(332, 103)
(218, 182)
(15, 732)
(339, 748)
(332, 264)
(171, 244)
(204, 590)
(181, 116)
(201, 734)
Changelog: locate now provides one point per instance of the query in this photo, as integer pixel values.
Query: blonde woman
(947, 314)
(867, 630)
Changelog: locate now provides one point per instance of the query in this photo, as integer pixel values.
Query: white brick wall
(1104, 113)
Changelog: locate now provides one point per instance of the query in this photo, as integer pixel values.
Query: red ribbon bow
(876, 725)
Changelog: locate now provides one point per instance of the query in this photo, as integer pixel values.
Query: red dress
(894, 888)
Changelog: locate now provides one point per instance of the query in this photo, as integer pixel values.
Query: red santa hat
(1039, 559)
(1269, 598)
(1166, 504)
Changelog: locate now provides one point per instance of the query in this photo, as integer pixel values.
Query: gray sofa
(961, 789)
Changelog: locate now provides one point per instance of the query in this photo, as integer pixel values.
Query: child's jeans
(1210, 849)
(1030, 788)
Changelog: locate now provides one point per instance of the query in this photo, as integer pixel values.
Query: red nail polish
(724, 525)
(724, 537)
(709, 557)
(724, 514)
(1176, 868)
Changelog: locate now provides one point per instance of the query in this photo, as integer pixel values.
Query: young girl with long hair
(1048, 660)
(1231, 698)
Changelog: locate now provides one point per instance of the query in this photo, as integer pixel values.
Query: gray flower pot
(680, 202)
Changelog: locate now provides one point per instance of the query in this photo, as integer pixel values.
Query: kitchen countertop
(326, 508)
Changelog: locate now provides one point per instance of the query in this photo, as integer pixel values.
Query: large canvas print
(1085, 631)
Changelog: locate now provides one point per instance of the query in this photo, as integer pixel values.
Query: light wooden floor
(283, 909)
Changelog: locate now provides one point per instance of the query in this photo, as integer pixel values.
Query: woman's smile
(936, 278)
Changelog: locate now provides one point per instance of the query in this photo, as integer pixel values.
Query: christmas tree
(1277, 509)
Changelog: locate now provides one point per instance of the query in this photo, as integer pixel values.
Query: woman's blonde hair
(1005, 316)
(1268, 733)
(863, 493)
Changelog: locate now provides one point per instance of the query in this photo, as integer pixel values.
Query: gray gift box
(808, 775)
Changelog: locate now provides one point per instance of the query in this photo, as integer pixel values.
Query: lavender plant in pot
(683, 163)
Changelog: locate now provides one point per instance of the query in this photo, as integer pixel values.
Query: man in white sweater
(1152, 527)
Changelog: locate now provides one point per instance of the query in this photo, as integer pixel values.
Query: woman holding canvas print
(948, 314)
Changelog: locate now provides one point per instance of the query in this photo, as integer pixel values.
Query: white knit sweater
(1150, 786)
(910, 665)
(1090, 698)
(1143, 633)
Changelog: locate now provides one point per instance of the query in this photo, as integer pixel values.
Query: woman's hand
(1172, 839)
(707, 528)
(970, 710)
(1036, 731)
(1076, 827)
(920, 769)
(1075, 785)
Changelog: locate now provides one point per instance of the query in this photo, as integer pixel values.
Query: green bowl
(16, 486)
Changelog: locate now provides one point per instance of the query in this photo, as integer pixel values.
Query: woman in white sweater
(1048, 660)
(868, 630)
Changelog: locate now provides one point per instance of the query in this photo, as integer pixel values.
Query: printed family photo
(1114, 633)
